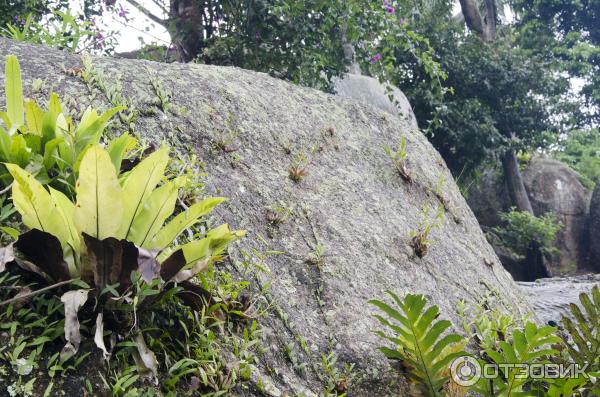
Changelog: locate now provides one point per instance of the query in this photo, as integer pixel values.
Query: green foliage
(133, 209)
(530, 345)
(508, 343)
(63, 31)
(300, 41)
(584, 330)
(46, 142)
(418, 341)
(399, 158)
(581, 151)
(12, 11)
(419, 237)
(568, 33)
(522, 228)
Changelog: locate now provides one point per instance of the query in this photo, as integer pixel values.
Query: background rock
(594, 230)
(351, 202)
(368, 90)
(552, 187)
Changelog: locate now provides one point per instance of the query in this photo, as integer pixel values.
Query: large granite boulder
(352, 208)
(594, 230)
(552, 187)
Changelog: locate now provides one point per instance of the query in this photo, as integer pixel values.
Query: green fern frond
(531, 345)
(584, 332)
(418, 341)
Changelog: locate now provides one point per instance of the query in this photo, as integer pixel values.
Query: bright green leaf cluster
(46, 142)
(132, 208)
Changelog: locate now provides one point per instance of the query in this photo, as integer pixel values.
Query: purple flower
(390, 9)
(402, 21)
(376, 58)
(386, 3)
(121, 11)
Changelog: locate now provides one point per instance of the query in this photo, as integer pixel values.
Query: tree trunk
(485, 28)
(186, 28)
(514, 182)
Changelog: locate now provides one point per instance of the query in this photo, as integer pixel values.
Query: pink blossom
(376, 58)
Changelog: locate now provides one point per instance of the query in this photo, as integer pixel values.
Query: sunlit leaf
(99, 207)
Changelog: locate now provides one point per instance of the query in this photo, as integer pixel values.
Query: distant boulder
(368, 90)
(556, 188)
(552, 187)
(594, 230)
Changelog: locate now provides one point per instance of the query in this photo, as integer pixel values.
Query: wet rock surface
(550, 297)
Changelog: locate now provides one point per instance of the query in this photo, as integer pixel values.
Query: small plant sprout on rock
(419, 238)
(298, 167)
(399, 158)
(275, 216)
(317, 256)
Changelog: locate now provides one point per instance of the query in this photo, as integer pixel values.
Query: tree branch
(161, 5)
(147, 13)
(34, 293)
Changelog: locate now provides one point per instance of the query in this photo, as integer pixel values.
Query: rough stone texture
(352, 202)
(552, 187)
(594, 230)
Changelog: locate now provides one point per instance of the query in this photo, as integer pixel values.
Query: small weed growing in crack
(224, 141)
(419, 238)
(399, 158)
(163, 96)
(336, 379)
(297, 169)
(275, 216)
(317, 257)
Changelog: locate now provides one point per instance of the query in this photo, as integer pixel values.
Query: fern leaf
(419, 342)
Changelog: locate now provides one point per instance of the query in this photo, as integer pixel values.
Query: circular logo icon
(465, 371)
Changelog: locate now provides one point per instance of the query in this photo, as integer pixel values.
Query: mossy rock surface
(351, 201)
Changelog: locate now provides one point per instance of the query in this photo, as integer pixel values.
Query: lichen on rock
(351, 203)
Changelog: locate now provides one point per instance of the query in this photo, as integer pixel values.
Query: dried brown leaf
(186, 274)
(99, 335)
(110, 261)
(148, 266)
(147, 358)
(172, 265)
(7, 254)
(73, 301)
